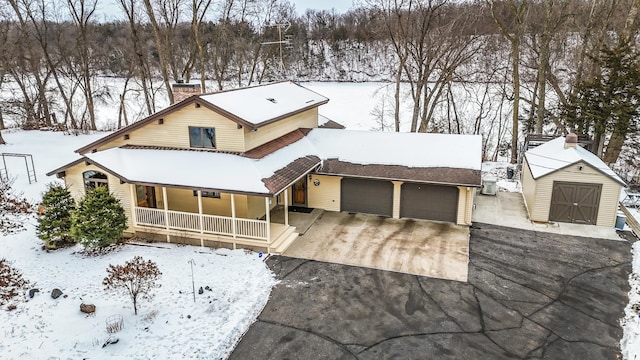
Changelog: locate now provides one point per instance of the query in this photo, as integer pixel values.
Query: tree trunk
(614, 147)
(162, 50)
(516, 100)
(2, 142)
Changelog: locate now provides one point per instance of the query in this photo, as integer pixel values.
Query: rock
(188, 316)
(87, 308)
(32, 293)
(55, 293)
(207, 288)
(201, 290)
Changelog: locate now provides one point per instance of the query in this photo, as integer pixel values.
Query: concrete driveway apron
(418, 247)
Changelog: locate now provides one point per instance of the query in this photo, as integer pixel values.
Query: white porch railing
(211, 224)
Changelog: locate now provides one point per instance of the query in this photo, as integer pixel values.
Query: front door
(575, 202)
(146, 196)
(300, 192)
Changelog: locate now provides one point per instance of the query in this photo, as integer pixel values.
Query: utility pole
(282, 28)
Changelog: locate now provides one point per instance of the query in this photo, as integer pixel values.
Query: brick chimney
(182, 91)
(571, 141)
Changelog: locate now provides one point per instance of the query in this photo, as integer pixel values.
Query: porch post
(201, 218)
(134, 218)
(286, 207)
(266, 203)
(233, 217)
(166, 211)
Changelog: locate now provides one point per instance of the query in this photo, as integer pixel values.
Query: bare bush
(136, 277)
(11, 282)
(13, 209)
(115, 323)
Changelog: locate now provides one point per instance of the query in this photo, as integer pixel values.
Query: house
(564, 182)
(209, 169)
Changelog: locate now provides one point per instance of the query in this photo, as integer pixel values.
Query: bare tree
(81, 12)
(168, 11)
(131, 11)
(517, 11)
(136, 277)
(198, 11)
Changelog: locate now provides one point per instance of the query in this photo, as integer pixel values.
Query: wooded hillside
(555, 60)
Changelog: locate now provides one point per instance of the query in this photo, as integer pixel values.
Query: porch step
(284, 240)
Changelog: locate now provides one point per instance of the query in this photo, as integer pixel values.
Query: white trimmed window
(93, 179)
(201, 137)
(208, 194)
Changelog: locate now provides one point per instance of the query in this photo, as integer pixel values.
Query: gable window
(93, 179)
(202, 137)
(208, 194)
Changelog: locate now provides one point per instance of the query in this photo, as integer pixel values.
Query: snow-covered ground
(630, 342)
(169, 326)
(47, 328)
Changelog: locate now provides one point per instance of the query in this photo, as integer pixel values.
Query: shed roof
(552, 156)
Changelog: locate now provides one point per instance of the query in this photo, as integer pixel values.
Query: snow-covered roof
(262, 103)
(552, 156)
(405, 149)
(193, 169)
(322, 119)
(241, 174)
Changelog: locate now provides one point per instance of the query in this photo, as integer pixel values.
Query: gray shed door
(429, 202)
(367, 196)
(575, 202)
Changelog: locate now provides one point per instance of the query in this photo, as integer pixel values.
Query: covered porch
(219, 220)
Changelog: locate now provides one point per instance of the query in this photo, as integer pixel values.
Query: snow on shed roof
(262, 103)
(552, 156)
(416, 150)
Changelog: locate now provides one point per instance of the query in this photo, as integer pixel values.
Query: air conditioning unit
(489, 186)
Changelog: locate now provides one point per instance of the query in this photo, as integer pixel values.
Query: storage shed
(563, 182)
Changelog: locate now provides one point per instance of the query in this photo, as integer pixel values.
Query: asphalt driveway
(418, 247)
(530, 295)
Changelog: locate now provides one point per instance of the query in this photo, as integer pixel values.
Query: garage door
(429, 202)
(366, 196)
(575, 202)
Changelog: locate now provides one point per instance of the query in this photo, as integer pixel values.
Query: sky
(110, 11)
(341, 6)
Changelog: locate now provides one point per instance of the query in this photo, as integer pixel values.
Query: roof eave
(284, 116)
(66, 166)
(619, 181)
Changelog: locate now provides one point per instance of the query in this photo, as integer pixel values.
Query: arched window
(93, 179)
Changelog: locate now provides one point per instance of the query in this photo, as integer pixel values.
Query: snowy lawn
(499, 171)
(170, 325)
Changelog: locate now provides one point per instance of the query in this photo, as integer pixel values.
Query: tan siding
(608, 200)
(183, 200)
(465, 205)
(528, 188)
(75, 184)
(326, 195)
(307, 119)
(471, 194)
(256, 206)
(397, 189)
(175, 130)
